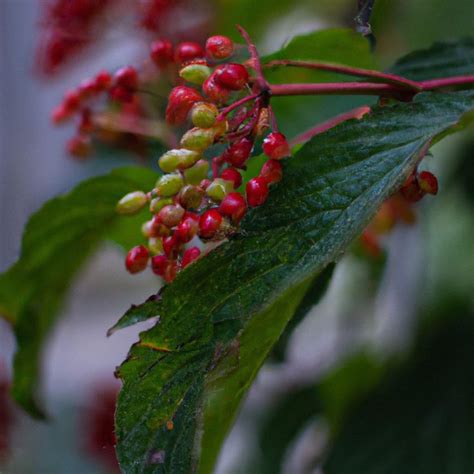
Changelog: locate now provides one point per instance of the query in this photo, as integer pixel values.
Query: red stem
(446, 82)
(348, 70)
(257, 65)
(236, 104)
(357, 113)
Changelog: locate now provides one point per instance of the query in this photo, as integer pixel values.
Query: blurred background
(362, 333)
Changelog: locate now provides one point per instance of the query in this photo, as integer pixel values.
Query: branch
(349, 71)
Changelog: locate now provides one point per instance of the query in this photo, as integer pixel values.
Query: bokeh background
(369, 317)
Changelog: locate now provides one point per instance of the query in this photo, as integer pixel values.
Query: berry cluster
(196, 198)
(398, 208)
(68, 28)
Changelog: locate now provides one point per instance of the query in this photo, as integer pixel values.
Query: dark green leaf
(440, 60)
(214, 330)
(56, 241)
(419, 419)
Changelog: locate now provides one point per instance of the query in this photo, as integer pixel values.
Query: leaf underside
(221, 316)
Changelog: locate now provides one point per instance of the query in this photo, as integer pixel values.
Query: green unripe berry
(197, 139)
(169, 185)
(155, 245)
(132, 203)
(204, 114)
(218, 189)
(196, 173)
(157, 204)
(175, 159)
(190, 197)
(195, 73)
(147, 229)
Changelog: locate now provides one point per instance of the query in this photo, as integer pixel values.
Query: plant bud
(204, 114)
(132, 203)
(178, 159)
(169, 185)
(218, 189)
(157, 204)
(197, 139)
(171, 215)
(196, 173)
(190, 197)
(195, 73)
(155, 245)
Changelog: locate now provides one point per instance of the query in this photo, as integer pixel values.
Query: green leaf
(207, 342)
(419, 419)
(440, 60)
(342, 46)
(56, 241)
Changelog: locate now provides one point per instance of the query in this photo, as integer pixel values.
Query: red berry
(121, 94)
(187, 229)
(159, 264)
(428, 182)
(187, 51)
(231, 174)
(209, 223)
(170, 271)
(60, 114)
(257, 191)
(126, 77)
(232, 76)
(215, 91)
(72, 100)
(103, 80)
(137, 259)
(86, 125)
(233, 206)
(219, 47)
(272, 171)
(411, 190)
(239, 152)
(87, 88)
(161, 52)
(190, 255)
(170, 245)
(180, 102)
(275, 146)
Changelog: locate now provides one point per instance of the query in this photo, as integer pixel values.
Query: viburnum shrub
(242, 221)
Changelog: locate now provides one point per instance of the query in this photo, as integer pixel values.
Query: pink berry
(239, 152)
(232, 76)
(121, 94)
(190, 255)
(219, 47)
(257, 191)
(161, 52)
(209, 223)
(180, 102)
(137, 259)
(171, 271)
(233, 206)
(187, 51)
(272, 171)
(231, 174)
(126, 77)
(60, 114)
(275, 146)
